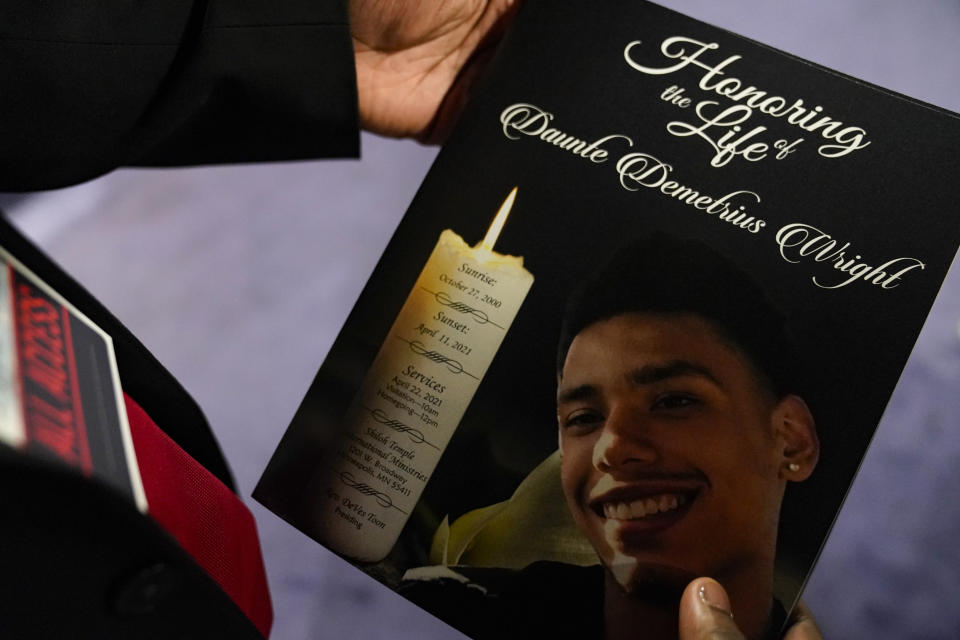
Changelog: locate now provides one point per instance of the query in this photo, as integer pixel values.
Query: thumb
(705, 612)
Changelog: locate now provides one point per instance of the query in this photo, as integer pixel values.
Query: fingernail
(713, 595)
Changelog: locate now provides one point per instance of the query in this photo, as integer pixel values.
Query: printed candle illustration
(417, 390)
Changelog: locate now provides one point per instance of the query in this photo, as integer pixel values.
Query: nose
(625, 441)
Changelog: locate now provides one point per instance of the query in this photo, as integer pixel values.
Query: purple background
(238, 279)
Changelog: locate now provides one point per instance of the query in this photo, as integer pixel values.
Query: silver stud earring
(794, 467)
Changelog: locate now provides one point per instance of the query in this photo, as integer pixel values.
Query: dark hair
(662, 274)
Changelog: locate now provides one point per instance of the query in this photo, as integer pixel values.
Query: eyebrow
(648, 374)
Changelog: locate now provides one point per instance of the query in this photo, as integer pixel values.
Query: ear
(796, 433)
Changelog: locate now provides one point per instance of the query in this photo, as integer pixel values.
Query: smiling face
(672, 460)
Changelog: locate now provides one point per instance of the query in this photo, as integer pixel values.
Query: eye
(582, 419)
(675, 401)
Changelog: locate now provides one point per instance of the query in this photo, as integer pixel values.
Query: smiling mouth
(642, 507)
(635, 511)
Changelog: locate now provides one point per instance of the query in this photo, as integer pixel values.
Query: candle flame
(498, 221)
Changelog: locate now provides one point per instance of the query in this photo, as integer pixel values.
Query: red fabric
(206, 518)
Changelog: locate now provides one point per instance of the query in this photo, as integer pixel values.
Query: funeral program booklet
(638, 325)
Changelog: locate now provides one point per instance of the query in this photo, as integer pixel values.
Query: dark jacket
(86, 88)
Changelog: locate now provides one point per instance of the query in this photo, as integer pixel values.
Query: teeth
(644, 507)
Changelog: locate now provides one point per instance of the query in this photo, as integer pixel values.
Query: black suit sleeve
(87, 87)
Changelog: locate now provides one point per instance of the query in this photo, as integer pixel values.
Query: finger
(802, 626)
(705, 612)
